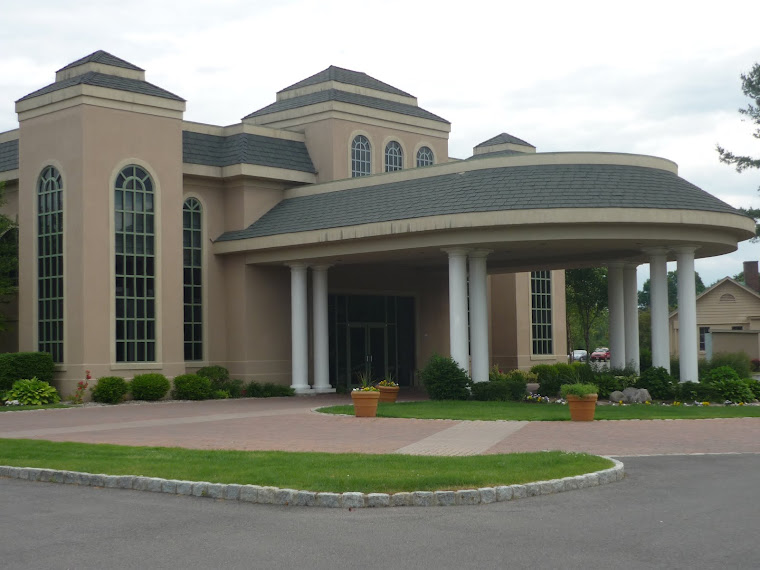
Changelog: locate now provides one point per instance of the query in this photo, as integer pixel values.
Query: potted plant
(581, 398)
(388, 389)
(365, 397)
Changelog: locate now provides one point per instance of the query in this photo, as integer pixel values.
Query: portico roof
(626, 194)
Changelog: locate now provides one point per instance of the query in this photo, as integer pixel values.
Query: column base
(323, 390)
(303, 390)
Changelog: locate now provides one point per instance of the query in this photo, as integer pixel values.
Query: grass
(331, 472)
(469, 410)
(22, 408)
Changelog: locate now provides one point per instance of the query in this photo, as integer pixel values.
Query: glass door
(367, 349)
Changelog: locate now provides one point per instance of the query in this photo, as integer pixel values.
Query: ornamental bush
(754, 387)
(658, 382)
(192, 387)
(694, 392)
(19, 365)
(732, 390)
(33, 392)
(110, 390)
(552, 376)
(444, 379)
(149, 387)
(739, 361)
(606, 383)
(502, 386)
(217, 374)
(268, 390)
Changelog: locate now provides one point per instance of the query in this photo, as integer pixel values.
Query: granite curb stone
(293, 497)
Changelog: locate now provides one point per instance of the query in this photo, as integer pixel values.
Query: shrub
(502, 387)
(444, 379)
(694, 392)
(220, 394)
(268, 390)
(33, 392)
(733, 390)
(584, 373)
(645, 359)
(110, 390)
(19, 365)
(658, 382)
(580, 390)
(192, 387)
(754, 387)
(217, 374)
(675, 368)
(719, 374)
(233, 387)
(149, 387)
(755, 365)
(607, 383)
(739, 361)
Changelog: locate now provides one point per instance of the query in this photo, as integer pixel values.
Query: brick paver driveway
(290, 424)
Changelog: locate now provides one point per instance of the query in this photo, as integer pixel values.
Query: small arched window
(727, 298)
(192, 262)
(424, 156)
(394, 157)
(50, 263)
(361, 162)
(135, 266)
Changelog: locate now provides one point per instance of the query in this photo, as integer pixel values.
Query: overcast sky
(659, 78)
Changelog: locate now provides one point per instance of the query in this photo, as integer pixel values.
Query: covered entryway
(372, 335)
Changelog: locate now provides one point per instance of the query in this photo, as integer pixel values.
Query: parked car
(600, 353)
(579, 356)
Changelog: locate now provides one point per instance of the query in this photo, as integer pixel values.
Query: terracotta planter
(365, 403)
(388, 393)
(582, 408)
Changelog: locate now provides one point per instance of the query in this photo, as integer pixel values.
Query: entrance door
(368, 349)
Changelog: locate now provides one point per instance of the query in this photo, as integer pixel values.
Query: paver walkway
(291, 424)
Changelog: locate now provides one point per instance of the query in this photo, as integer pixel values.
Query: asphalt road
(670, 512)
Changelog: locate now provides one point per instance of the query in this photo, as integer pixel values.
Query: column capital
(456, 251)
(297, 265)
(322, 267)
(480, 253)
(652, 251)
(616, 264)
(681, 249)
(630, 265)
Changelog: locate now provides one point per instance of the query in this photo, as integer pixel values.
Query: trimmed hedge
(267, 390)
(192, 387)
(660, 384)
(149, 387)
(110, 390)
(19, 365)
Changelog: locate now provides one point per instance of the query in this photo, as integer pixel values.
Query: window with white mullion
(541, 312)
(394, 157)
(361, 161)
(50, 263)
(193, 276)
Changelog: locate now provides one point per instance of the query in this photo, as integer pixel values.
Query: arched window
(135, 266)
(361, 162)
(192, 274)
(424, 156)
(394, 157)
(50, 263)
(727, 298)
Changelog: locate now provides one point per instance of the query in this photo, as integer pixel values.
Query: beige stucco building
(324, 235)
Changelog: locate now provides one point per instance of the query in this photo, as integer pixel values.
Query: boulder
(617, 396)
(637, 395)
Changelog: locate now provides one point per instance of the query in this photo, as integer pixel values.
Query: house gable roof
(105, 58)
(725, 282)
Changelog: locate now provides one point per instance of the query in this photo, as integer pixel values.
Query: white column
(658, 306)
(687, 314)
(615, 298)
(320, 330)
(299, 328)
(631, 316)
(479, 315)
(458, 306)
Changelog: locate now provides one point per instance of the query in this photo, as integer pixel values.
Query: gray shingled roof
(492, 189)
(496, 153)
(243, 148)
(342, 75)
(346, 97)
(9, 155)
(105, 58)
(504, 138)
(109, 81)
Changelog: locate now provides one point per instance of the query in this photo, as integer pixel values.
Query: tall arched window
(192, 273)
(50, 263)
(361, 161)
(394, 157)
(424, 156)
(541, 311)
(135, 266)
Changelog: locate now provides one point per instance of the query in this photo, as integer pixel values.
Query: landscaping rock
(284, 497)
(232, 492)
(617, 396)
(169, 486)
(330, 500)
(487, 494)
(215, 490)
(637, 395)
(249, 493)
(305, 499)
(378, 500)
(503, 493)
(401, 500)
(446, 498)
(353, 500)
(519, 491)
(424, 499)
(468, 497)
(266, 495)
(184, 487)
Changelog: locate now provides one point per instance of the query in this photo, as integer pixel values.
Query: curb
(292, 497)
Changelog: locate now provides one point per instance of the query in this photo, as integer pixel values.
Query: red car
(600, 353)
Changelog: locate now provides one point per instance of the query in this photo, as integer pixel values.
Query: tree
(645, 295)
(751, 89)
(586, 298)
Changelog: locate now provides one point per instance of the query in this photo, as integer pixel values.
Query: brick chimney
(751, 277)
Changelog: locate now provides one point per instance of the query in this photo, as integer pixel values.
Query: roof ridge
(105, 58)
(348, 76)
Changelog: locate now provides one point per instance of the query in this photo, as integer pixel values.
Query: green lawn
(22, 408)
(333, 472)
(468, 410)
